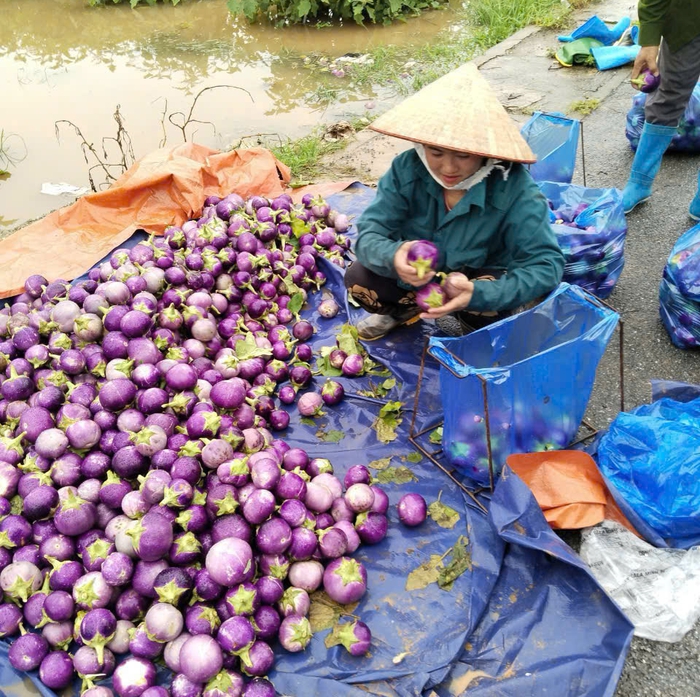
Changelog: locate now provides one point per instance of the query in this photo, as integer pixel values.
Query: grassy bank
(481, 24)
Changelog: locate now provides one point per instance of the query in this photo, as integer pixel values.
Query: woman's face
(450, 166)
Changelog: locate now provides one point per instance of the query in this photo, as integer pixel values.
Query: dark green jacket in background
(678, 21)
(498, 223)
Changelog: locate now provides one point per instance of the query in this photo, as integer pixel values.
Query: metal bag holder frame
(414, 436)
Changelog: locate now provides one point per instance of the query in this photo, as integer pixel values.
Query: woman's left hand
(462, 291)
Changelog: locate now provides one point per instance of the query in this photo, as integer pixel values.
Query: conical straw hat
(458, 111)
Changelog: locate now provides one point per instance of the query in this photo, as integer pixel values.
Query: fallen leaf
(436, 436)
(414, 457)
(461, 561)
(442, 514)
(380, 464)
(324, 612)
(428, 572)
(330, 436)
(396, 475)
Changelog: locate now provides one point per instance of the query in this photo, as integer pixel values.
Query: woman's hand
(405, 271)
(646, 58)
(460, 293)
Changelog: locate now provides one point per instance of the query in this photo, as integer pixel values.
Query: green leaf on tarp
(428, 572)
(379, 391)
(247, 348)
(330, 436)
(388, 421)
(347, 340)
(460, 562)
(334, 638)
(436, 436)
(324, 612)
(296, 302)
(396, 475)
(308, 421)
(380, 464)
(442, 514)
(414, 457)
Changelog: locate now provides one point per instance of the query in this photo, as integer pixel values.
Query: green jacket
(678, 21)
(498, 223)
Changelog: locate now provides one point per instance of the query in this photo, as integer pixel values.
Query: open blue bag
(554, 139)
(679, 291)
(651, 455)
(591, 228)
(687, 138)
(537, 370)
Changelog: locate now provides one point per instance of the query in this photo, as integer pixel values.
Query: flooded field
(64, 60)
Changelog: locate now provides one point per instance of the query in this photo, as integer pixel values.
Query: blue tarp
(526, 619)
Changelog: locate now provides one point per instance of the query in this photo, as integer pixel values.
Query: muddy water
(61, 59)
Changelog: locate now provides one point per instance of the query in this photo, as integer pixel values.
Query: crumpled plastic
(658, 589)
(651, 456)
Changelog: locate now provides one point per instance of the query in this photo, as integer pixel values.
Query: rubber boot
(694, 210)
(647, 160)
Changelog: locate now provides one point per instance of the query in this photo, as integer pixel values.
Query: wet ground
(64, 60)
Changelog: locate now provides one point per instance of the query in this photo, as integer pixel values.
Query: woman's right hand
(405, 271)
(646, 58)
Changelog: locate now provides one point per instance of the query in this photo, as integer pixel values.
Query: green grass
(303, 155)
(585, 106)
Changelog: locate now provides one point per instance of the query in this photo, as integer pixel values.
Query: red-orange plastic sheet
(166, 187)
(568, 487)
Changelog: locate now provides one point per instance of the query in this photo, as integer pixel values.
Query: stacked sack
(590, 226)
(679, 292)
(687, 138)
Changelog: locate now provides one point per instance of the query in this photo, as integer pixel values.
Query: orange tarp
(568, 487)
(166, 187)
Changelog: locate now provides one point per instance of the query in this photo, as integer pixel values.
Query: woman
(462, 188)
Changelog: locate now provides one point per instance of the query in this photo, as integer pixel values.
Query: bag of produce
(687, 138)
(537, 368)
(679, 292)
(591, 227)
(554, 139)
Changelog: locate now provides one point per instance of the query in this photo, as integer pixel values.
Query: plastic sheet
(651, 455)
(538, 368)
(568, 487)
(658, 589)
(431, 626)
(679, 291)
(687, 138)
(591, 229)
(554, 139)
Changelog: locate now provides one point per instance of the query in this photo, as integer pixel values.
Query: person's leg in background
(388, 304)
(663, 110)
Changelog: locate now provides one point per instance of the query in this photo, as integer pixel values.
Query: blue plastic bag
(591, 228)
(595, 28)
(652, 457)
(538, 369)
(687, 138)
(554, 139)
(679, 291)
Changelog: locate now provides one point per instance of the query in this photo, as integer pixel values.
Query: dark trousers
(383, 296)
(679, 75)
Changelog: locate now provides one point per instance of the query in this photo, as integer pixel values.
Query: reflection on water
(61, 59)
